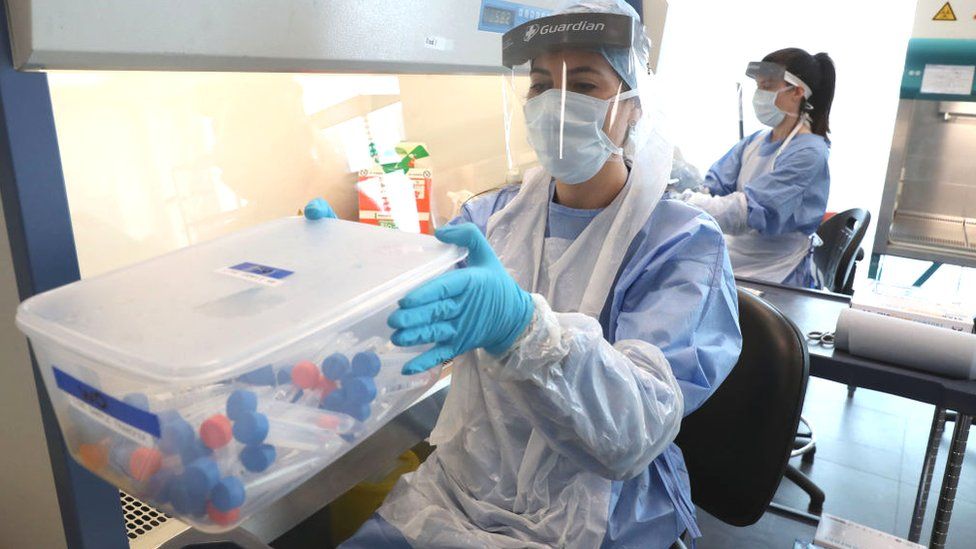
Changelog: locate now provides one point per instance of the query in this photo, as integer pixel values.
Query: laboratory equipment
(824, 339)
(928, 209)
(173, 375)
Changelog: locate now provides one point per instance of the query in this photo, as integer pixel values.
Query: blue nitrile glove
(318, 208)
(479, 306)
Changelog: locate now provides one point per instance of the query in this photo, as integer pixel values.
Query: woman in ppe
(769, 193)
(591, 316)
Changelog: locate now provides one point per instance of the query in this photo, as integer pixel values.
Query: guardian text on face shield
(565, 27)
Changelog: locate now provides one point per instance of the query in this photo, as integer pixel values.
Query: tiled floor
(869, 455)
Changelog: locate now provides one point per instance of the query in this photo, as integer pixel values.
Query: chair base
(817, 496)
(796, 514)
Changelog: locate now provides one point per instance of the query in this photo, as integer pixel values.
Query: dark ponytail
(817, 71)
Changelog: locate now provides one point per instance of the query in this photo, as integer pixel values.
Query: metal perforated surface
(139, 517)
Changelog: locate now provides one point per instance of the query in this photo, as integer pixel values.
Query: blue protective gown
(790, 198)
(674, 290)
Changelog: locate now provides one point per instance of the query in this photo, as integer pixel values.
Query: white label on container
(119, 416)
(141, 437)
(260, 274)
(948, 79)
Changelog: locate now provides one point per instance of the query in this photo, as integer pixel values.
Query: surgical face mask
(571, 145)
(764, 103)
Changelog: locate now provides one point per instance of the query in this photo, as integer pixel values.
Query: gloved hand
(478, 306)
(318, 208)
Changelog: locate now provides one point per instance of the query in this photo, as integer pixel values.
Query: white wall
(708, 43)
(29, 512)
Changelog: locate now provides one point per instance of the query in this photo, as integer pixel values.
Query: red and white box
(397, 200)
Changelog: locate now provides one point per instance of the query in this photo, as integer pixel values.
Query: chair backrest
(738, 443)
(842, 235)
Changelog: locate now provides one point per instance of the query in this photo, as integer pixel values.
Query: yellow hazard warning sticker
(945, 14)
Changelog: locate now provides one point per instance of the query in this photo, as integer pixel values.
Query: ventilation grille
(932, 230)
(140, 518)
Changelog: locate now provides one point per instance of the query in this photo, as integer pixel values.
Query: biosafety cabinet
(928, 210)
(152, 125)
(431, 36)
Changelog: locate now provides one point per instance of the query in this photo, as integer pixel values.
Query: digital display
(496, 16)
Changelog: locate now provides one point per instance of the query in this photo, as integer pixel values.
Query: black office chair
(836, 260)
(737, 445)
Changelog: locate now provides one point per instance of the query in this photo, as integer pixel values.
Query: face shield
(774, 77)
(581, 83)
(771, 80)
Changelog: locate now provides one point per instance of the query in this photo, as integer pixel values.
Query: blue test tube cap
(335, 366)
(366, 364)
(201, 476)
(258, 457)
(228, 494)
(158, 487)
(177, 435)
(251, 428)
(359, 389)
(169, 416)
(138, 400)
(335, 401)
(241, 402)
(358, 410)
(183, 500)
(195, 450)
(264, 376)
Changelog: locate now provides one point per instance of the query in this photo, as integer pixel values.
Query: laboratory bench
(817, 311)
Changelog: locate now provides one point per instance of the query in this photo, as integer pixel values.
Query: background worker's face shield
(774, 77)
(583, 90)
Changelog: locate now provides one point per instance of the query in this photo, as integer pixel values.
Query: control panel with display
(501, 16)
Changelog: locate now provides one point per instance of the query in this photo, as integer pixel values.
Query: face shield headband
(774, 71)
(571, 30)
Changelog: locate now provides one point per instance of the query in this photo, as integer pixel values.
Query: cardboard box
(902, 303)
(396, 200)
(837, 533)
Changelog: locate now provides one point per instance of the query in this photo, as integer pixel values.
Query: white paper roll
(906, 343)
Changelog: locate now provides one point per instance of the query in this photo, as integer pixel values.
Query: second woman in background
(769, 193)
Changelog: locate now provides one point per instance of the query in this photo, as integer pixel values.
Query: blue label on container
(263, 270)
(107, 406)
(262, 274)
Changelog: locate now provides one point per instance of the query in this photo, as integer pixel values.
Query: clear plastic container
(211, 381)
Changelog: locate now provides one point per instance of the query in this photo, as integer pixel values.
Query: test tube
(375, 344)
(229, 493)
(393, 383)
(279, 475)
(191, 404)
(304, 385)
(295, 427)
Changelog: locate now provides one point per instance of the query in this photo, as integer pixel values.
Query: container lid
(215, 309)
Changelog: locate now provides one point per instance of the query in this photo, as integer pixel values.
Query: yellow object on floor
(352, 509)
